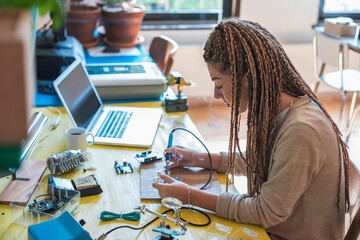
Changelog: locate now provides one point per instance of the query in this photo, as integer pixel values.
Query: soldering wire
(208, 152)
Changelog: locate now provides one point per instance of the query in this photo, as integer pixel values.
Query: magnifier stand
(164, 229)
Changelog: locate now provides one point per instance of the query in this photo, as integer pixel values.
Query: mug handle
(92, 138)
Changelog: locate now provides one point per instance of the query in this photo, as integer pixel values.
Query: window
(184, 14)
(339, 8)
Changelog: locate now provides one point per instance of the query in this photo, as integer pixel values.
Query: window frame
(183, 19)
(322, 15)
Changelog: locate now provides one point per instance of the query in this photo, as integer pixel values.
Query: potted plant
(81, 21)
(122, 21)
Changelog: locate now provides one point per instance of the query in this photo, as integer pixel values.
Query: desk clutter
(55, 204)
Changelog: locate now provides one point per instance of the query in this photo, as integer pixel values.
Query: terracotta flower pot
(122, 26)
(81, 22)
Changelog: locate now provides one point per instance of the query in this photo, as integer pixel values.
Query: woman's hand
(181, 156)
(172, 188)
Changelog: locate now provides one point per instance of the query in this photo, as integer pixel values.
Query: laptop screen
(79, 95)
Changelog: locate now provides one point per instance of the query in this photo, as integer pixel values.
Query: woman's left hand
(172, 188)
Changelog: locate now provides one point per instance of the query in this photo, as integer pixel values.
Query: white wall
(289, 20)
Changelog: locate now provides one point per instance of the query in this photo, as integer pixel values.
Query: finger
(159, 185)
(156, 185)
(179, 146)
(173, 165)
(166, 178)
(169, 150)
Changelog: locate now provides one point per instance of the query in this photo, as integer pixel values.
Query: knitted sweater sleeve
(296, 159)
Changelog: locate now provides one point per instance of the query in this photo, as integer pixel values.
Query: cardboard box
(16, 75)
(341, 27)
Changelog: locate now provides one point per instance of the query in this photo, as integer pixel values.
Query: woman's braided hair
(244, 47)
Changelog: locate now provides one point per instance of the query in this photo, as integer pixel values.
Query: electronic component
(88, 167)
(125, 167)
(47, 205)
(84, 182)
(61, 183)
(62, 227)
(148, 156)
(60, 163)
(87, 186)
(178, 102)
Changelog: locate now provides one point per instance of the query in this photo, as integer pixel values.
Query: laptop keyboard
(114, 124)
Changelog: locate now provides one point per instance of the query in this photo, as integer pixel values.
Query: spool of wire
(63, 162)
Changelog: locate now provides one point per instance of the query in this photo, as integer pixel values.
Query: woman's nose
(217, 93)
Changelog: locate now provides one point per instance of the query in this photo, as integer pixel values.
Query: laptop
(110, 125)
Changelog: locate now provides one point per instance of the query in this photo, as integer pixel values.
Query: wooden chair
(352, 219)
(331, 51)
(162, 50)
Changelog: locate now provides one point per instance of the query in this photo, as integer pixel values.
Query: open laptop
(111, 125)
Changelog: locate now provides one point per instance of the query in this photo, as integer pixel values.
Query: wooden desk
(121, 192)
(353, 43)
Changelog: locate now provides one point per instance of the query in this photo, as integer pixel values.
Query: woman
(296, 162)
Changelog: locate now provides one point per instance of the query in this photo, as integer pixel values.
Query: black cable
(147, 224)
(197, 210)
(208, 152)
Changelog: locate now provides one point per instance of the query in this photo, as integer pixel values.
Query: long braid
(250, 50)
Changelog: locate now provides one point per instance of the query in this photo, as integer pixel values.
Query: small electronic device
(125, 167)
(87, 186)
(135, 80)
(148, 156)
(60, 163)
(64, 227)
(48, 204)
(178, 102)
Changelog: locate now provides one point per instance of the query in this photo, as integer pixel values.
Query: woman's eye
(218, 87)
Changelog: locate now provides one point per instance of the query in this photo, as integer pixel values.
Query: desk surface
(121, 193)
(353, 43)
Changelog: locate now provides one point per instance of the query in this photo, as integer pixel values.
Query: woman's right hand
(186, 157)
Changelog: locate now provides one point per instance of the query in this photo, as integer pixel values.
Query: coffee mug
(78, 138)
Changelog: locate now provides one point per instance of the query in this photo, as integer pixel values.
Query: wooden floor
(212, 118)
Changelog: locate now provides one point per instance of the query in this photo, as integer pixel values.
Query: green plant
(44, 6)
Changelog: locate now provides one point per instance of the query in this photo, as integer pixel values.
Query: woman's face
(223, 86)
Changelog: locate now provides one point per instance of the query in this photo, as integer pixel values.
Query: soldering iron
(168, 155)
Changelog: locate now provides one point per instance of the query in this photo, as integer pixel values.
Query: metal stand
(164, 229)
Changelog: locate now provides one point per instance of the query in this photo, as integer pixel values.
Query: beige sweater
(298, 200)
